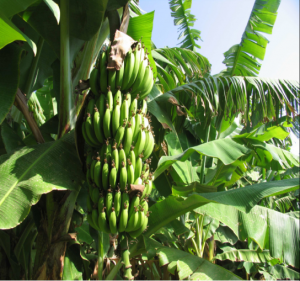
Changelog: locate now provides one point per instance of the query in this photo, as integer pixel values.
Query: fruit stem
(100, 255)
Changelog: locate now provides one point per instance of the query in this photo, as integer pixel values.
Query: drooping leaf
(242, 59)
(9, 80)
(32, 171)
(238, 255)
(279, 272)
(181, 11)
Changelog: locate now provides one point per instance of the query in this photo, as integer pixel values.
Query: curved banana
(109, 202)
(138, 123)
(128, 139)
(138, 232)
(105, 175)
(132, 156)
(98, 173)
(150, 145)
(118, 202)
(115, 156)
(123, 177)
(134, 203)
(102, 222)
(123, 218)
(116, 118)
(124, 111)
(94, 79)
(140, 143)
(119, 77)
(113, 221)
(147, 83)
(106, 122)
(89, 129)
(101, 105)
(85, 136)
(144, 107)
(137, 59)
(98, 126)
(113, 176)
(140, 77)
(118, 97)
(130, 172)
(122, 156)
(101, 202)
(129, 66)
(112, 80)
(133, 106)
(133, 220)
(110, 100)
(120, 134)
(103, 73)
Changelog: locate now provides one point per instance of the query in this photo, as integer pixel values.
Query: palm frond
(185, 20)
(242, 59)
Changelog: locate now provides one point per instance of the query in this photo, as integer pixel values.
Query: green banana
(138, 232)
(94, 161)
(132, 122)
(95, 218)
(113, 221)
(128, 139)
(106, 122)
(147, 83)
(106, 151)
(95, 196)
(112, 79)
(124, 110)
(97, 173)
(140, 219)
(119, 77)
(138, 123)
(132, 156)
(101, 105)
(122, 156)
(116, 118)
(90, 105)
(90, 220)
(109, 201)
(98, 126)
(128, 98)
(120, 134)
(125, 198)
(133, 220)
(103, 73)
(123, 218)
(135, 202)
(140, 77)
(144, 107)
(118, 202)
(118, 97)
(145, 206)
(89, 129)
(133, 106)
(113, 176)
(123, 177)
(105, 175)
(138, 181)
(137, 59)
(140, 143)
(115, 156)
(101, 202)
(129, 66)
(94, 81)
(110, 100)
(102, 222)
(138, 167)
(130, 172)
(150, 144)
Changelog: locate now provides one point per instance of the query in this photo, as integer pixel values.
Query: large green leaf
(10, 138)
(279, 272)
(32, 171)
(241, 59)
(269, 229)
(12, 7)
(73, 265)
(9, 79)
(226, 150)
(238, 255)
(141, 27)
(242, 199)
(187, 265)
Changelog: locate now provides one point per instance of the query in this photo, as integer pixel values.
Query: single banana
(145, 206)
(128, 139)
(123, 177)
(101, 202)
(85, 136)
(130, 172)
(133, 106)
(122, 156)
(95, 196)
(101, 105)
(138, 181)
(116, 118)
(125, 110)
(109, 201)
(120, 133)
(103, 73)
(146, 89)
(94, 79)
(110, 100)
(112, 80)
(106, 151)
(118, 97)
(137, 59)
(98, 126)
(102, 222)
(98, 173)
(106, 122)
(138, 123)
(144, 107)
(123, 218)
(128, 98)
(89, 129)
(134, 203)
(118, 202)
(140, 143)
(132, 122)
(140, 219)
(115, 156)
(113, 177)
(150, 145)
(105, 175)
(113, 221)
(132, 156)
(119, 77)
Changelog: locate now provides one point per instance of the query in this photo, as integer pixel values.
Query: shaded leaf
(10, 138)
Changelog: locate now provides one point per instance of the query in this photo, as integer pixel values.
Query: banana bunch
(135, 75)
(110, 208)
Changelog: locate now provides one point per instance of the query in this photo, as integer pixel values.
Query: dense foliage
(224, 202)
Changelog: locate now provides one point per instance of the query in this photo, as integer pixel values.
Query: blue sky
(222, 23)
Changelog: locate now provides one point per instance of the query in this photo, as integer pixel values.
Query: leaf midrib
(23, 175)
